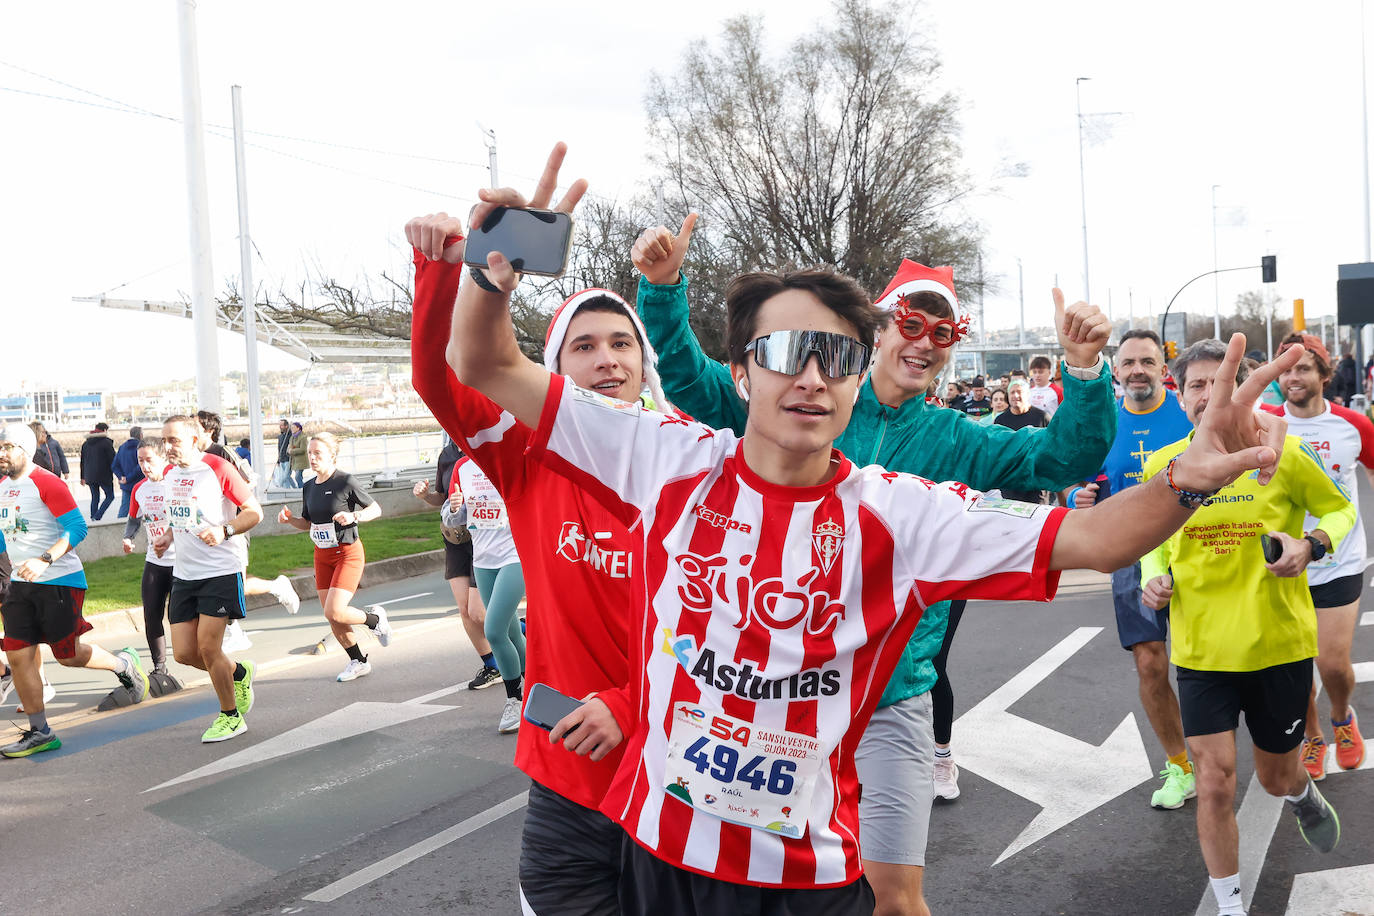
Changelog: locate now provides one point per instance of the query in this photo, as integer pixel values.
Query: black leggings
(157, 588)
(942, 694)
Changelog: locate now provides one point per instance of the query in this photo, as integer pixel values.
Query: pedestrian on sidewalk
(126, 469)
(97, 468)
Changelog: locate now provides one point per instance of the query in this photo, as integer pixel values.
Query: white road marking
(1336, 890)
(441, 692)
(1017, 754)
(404, 598)
(331, 892)
(354, 719)
(1367, 618)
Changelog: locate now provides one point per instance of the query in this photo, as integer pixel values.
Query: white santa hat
(558, 332)
(915, 278)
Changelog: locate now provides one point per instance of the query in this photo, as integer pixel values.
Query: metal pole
(1364, 118)
(1082, 187)
(491, 153)
(198, 213)
(1130, 309)
(246, 297)
(1216, 277)
(1021, 293)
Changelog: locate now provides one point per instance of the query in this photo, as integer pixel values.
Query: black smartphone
(545, 706)
(534, 241)
(1272, 549)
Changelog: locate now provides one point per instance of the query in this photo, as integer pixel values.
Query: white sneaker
(354, 670)
(286, 595)
(6, 685)
(946, 778)
(235, 640)
(383, 628)
(510, 717)
(49, 691)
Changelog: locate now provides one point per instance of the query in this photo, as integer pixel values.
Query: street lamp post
(1082, 185)
(1216, 275)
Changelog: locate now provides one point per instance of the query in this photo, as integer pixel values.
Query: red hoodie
(576, 557)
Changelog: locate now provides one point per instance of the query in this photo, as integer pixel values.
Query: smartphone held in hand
(545, 706)
(1272, 549)
(534, 241)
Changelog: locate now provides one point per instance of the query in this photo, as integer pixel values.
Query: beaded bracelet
(1188, 499)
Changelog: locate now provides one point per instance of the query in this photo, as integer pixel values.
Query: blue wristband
(1072, 495)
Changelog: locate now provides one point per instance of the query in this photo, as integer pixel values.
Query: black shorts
(457, 560)
(650, 885)
(569, 858)
(217, 596)
(36, 613)
(1274, 701)
(1337, 592)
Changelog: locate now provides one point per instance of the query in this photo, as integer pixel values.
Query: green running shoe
(32, 742)
(243, 690)
(1178, 787)
(1317, 820)
(223, 728)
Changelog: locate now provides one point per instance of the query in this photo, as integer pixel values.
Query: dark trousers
(125, 495)
(99, 508)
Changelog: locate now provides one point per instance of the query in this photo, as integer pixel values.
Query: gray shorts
(896, 764)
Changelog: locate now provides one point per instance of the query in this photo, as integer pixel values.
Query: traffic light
(1269, 269)
(1170, 350)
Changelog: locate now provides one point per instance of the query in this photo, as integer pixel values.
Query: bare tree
(840, 152)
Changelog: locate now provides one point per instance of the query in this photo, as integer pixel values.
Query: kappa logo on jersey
(576, 547)
(828, 539)
(770, 602)
(719, 520)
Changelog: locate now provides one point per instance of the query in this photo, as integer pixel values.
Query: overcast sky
(1260, 98)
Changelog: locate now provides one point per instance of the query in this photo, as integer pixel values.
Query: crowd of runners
(749, 575)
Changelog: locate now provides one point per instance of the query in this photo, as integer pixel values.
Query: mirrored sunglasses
(788, 352)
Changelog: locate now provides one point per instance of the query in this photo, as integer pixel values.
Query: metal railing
(391, 456)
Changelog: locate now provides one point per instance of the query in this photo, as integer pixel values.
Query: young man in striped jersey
(780, 583)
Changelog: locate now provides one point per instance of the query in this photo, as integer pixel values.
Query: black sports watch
(1318, 548)
(45, 557)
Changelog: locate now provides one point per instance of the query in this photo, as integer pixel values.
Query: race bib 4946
(728, 767)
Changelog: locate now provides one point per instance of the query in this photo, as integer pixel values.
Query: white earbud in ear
(743, 390)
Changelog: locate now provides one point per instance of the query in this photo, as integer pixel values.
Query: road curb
(129, 621)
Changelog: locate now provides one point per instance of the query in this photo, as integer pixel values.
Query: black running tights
(942, 694)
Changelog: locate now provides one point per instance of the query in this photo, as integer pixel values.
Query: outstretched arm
(693, 381)
(1232, 438)
(482, 348)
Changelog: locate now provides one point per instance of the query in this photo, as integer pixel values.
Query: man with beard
(1342, 438)
(1148, 418)
(41, 525)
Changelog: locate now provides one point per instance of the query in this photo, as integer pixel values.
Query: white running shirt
(148, 502)
(492, 543)
(205, 495)
(769, 622)
(1341, 437)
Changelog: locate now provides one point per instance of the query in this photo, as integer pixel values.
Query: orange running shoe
(1349, 743)
(1314, 758)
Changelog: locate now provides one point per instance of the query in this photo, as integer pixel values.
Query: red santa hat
(915, 278)
(558, 332)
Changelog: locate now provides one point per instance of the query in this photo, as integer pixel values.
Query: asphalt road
(395, 793)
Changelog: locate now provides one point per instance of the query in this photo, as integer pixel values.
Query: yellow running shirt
(1228, 612)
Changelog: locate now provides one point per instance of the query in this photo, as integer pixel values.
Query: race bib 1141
(729, 768)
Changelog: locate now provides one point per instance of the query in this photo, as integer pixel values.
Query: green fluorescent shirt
(916, 438)
(1228, 612)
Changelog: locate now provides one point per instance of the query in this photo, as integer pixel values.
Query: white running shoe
(946, 778)
(286, 595)
(510, 717)
(6, 685)
(354, 670)
(235, 640)
(383, 628)
(49, 691)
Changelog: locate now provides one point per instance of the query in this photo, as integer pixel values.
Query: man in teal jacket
(894, 426)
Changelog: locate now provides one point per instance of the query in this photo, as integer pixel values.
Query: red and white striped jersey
(1341, 437)
(148, 503)
(767, 624)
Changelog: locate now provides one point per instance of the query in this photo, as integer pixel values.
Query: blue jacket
(126, 464)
